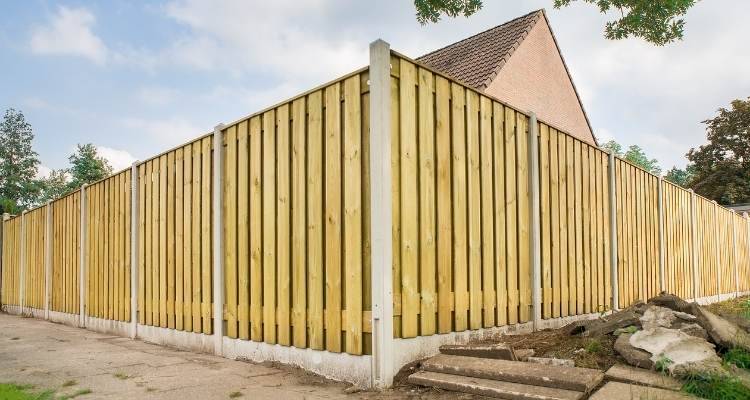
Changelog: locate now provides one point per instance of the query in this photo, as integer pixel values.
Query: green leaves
(18, 163)
(433, 10)
(634, 155)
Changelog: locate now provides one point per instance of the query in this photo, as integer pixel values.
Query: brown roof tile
(476, 60)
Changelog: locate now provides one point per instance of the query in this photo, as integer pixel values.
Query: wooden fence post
(534, 231)
(22, 267)
(134, 250)
(47, 259)
(381, 214)
(734, 253)
(82, 267)
(716, 249)
(218, 235)
(660, 211)
(694, 244)
(613, 231)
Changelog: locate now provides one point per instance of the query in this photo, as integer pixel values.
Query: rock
(605, 325)
(352, 389)
(672, 302)
(634, 356)
(491, 388)
(656, 316)
(724, 333)
(692, 329)
(629, 330)
(639, 376)
(523, 354)
(684, 352)
(561, 362)
(499, 351)
(624, 391)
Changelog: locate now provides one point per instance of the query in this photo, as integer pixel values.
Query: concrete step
(577, 379)
(500, 351)
(625, 391)
(640, 376)
(491, 388)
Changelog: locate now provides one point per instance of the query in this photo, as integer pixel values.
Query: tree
(656, 21)
(634, 155)
(680, 177)
(54, 186)
(721, 168)
(86, 166)
(18, 163)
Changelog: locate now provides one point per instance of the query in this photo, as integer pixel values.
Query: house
(519, 63)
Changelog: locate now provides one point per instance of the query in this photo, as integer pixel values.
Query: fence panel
(35, 225)
(12, 262)
(108, 248)
(174, 253)
(66, 237)
(283, 214)
(727, 258)
(706, 225)
(460, 206)
(678, 241)
(742, 226)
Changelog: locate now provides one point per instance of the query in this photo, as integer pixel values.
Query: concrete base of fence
(65, 318)
(338, 366)
(197, 342)
(119, 328)
(721, 297)
(34, 312)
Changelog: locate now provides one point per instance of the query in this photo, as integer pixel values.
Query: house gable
(535, 78)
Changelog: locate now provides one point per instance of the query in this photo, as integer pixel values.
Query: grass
(716, 387)
(594, 346)
(79, 392)
(11, 391)
(121, 375)
(737, 356)
(235, 395)
(662, 364)
(69, 383)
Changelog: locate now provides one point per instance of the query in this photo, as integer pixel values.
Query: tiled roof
(476, 60)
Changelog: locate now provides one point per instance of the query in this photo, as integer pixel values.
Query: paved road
(47, 355)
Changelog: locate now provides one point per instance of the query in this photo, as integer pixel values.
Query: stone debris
(640, 376)
(562, 362)
(491, 388)
(634, 356)
(624, 391)
(523, 354)
(500, 351)
(678, 348)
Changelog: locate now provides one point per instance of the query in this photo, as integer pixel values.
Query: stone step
(569, 378)
(500, 351)
(491, 388)
(625, 391)
(643, 377)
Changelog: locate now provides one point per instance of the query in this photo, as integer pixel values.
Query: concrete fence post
(694, 244)
(534, 231)
(22, 268)
(734, 253)
(218, 236)
(381, 214)
(82, 267)
(48, 240)
(716, 249)
(660, 212)
(613, 231)
(134, 250)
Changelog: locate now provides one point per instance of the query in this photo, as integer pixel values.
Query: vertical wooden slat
(524, 218)
(444, 206)
(555, 239)
(256, 230)
(460, 244)
(230, 229)
(143, 256)
(475, 216)
(546, 236)
(427, 225)
(269, 227)
(298, 223)
(206, 245)
(511, 213)
(333, 217)
(284, 240)
(243, 231)
(315, 221)
(188, 216)
(179, 240)
(163, 279)
(487, 211)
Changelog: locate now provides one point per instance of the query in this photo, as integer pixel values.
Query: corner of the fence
(382, 367)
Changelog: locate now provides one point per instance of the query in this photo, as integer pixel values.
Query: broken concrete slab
(499, 351)
(491, 388)
(692, 329)
(562, 362)
(672, 302)
(682, 350)
(605, 325)
(634, 356)
(640, 376)
(722, 332)
(625, 391)
(523, 354)
(578, 379)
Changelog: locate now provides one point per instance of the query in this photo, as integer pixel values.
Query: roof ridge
(539, 11)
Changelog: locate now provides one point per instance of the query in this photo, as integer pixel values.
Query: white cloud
(69, 33)
(118, 159)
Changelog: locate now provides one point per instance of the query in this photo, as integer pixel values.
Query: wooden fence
(295, 225)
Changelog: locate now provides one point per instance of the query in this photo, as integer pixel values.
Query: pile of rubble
(668, 333)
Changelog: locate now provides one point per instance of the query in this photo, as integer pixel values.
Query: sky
(137, 78)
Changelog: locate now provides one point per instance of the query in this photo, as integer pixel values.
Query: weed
(594, 347)
(121, 375)
(716, 387)
(235, 395)
(739, 357)
(662, 364)
(23, 392)
(80, 392)
(69, 383)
